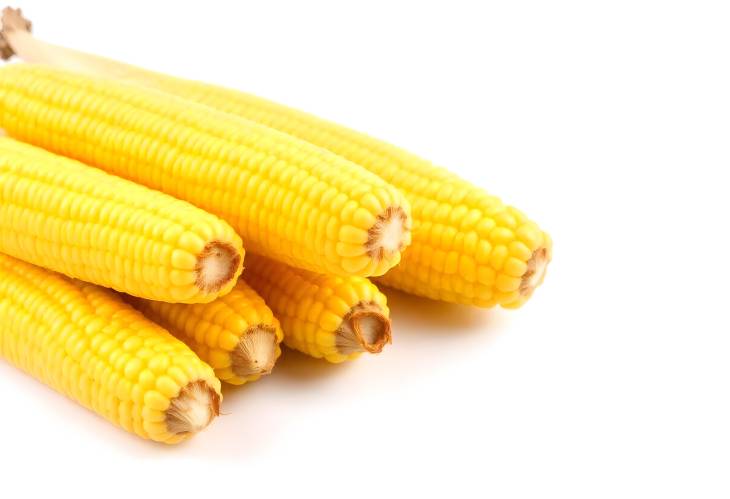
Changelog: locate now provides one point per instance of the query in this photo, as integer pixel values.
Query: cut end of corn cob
(217, 265)
(194, 409)
(364, 329)
(12, 20)
(389, 235)
(256, 352)
(535, 273)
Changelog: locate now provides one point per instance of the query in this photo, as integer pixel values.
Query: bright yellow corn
(286, 198)
(237, 334)
(330, 317)
(85, 342)
(75, 219)
(468, 247)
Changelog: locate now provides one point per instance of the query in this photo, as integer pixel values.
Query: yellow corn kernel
(236, 334)
(255, 178)
(330, 317)
(85, 342)
(63, 215)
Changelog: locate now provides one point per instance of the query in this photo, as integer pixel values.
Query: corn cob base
(192, 410)
(216, 265)
(256, 352)
(364, 328)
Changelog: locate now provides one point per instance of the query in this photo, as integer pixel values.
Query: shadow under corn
(421, 316)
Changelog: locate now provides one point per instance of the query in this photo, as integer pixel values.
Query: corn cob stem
(256, 352)
(364, 328)
(15, 26)
(16, 40)
(535, 273)
(216, 265)
(192, 410)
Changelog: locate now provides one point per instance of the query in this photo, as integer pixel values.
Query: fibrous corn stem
(364, 329)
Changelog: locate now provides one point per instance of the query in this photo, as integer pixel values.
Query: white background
(607, 122)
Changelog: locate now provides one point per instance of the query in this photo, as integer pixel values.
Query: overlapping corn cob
(468, 247)
(86, 343)
(237, 334)
(75, 219)
(286, 198)
(330, 317)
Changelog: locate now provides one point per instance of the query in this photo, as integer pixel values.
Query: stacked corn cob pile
(127, 198)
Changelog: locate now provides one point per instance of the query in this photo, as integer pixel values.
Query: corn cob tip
(389, 234)
(217, 265)
(11, 20)
(535, 273)
(256, 352)
(364, 329)
(193, 409)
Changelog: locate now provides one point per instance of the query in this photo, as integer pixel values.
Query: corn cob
(86, 343)
(82, 222)
(468, 247)
(237, 334)
(286, 198)
(331, 317)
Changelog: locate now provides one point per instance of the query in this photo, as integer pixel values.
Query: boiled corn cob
(237, 334)
(85, 342)
(82, 222)
(286, 198)
(468, 247)
(330, 317)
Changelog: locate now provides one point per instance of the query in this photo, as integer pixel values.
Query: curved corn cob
(85, 342)
(237, 334)
(286, 198)
(468, 247)
(82, 222)
(330, 317)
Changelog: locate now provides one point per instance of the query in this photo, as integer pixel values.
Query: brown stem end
(365, 328)
(193, 409)
(256, 351)
(217, 265)
(11, 20)
(535, 273)
(389, 233)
